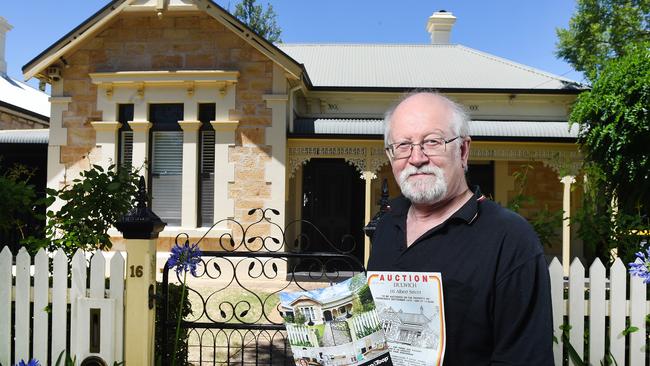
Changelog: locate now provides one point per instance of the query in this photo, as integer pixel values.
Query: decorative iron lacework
(562, 162)
(373, 158)
(362, 158)
(235, 315)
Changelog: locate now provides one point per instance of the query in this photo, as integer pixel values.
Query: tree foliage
(600, 30)
(609, 40)
(19, 204)
(262, 21)
(614, 136)
(614, 119)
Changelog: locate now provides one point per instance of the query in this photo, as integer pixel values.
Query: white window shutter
(206, 199)
(126, 148)
(166, 175)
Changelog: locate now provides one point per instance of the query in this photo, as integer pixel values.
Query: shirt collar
(468, 212)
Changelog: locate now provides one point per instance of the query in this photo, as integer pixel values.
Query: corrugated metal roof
(417, 66)
(510, 129)
(36, 136)
(24, 96)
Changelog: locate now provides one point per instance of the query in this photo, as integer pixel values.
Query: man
(496, 287)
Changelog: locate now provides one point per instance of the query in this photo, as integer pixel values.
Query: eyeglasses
(430, 147)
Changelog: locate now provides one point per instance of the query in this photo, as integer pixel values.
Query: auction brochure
(335, 326)
(411, 311)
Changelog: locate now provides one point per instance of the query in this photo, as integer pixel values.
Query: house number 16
(136, 271)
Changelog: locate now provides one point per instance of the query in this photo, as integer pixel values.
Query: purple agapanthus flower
(31, 362)
(185, 258)
(641, 266)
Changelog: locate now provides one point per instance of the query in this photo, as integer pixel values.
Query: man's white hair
(459, 117)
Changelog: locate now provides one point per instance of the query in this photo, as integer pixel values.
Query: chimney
(4, 28)
(439, 25)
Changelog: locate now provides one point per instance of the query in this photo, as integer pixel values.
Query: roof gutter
(291, 101)
(368, 89)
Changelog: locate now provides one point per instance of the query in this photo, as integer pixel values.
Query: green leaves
(614, 120)
(93, 203)
(19, 204)
(628, 330)
(263, 22)
(601, 30)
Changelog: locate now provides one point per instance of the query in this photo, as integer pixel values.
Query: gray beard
(429, 190)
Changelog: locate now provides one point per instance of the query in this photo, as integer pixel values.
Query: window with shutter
(206, 168)
(206, 204)
(124, 115)
(166, 175)
(126, 148)
(166, 161)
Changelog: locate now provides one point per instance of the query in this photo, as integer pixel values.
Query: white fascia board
(73, 40)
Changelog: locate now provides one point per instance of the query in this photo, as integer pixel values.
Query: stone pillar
(140, 144)
(567, 180)
(106, 133)
(189, 204)
(140, 228)
(56, 171)
(276, 137)
(224, 170)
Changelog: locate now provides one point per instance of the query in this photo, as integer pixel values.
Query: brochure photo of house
(335, 326)
(411, 312)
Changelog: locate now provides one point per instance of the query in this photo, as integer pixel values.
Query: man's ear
(464, 151)
(388, 156)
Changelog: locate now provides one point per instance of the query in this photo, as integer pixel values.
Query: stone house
(222, 121)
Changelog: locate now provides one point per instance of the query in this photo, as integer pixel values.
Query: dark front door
(333, 201)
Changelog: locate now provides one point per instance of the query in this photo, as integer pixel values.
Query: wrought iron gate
(235, 317)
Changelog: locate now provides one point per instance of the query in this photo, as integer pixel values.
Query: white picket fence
(53, 301)
(368, 319)
(598, 307)
(17, 326)
(298, 333)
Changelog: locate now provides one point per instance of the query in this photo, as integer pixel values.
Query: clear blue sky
(519, 30)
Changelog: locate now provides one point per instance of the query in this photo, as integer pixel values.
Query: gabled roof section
(303, 298)
(446, 67)
(111, 10)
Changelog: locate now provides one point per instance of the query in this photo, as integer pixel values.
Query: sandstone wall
(176, 42)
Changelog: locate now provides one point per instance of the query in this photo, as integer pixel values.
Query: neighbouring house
(318, 310)
(408, 328)
(21, 106)
(222, 121)
(24, 119)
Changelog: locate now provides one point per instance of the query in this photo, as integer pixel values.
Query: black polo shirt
(495, 281)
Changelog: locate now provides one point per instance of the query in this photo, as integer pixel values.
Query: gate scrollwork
(235, 305)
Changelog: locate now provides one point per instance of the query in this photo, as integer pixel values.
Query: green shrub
(165, 347)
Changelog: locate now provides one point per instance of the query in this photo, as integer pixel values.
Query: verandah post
(140, 228)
